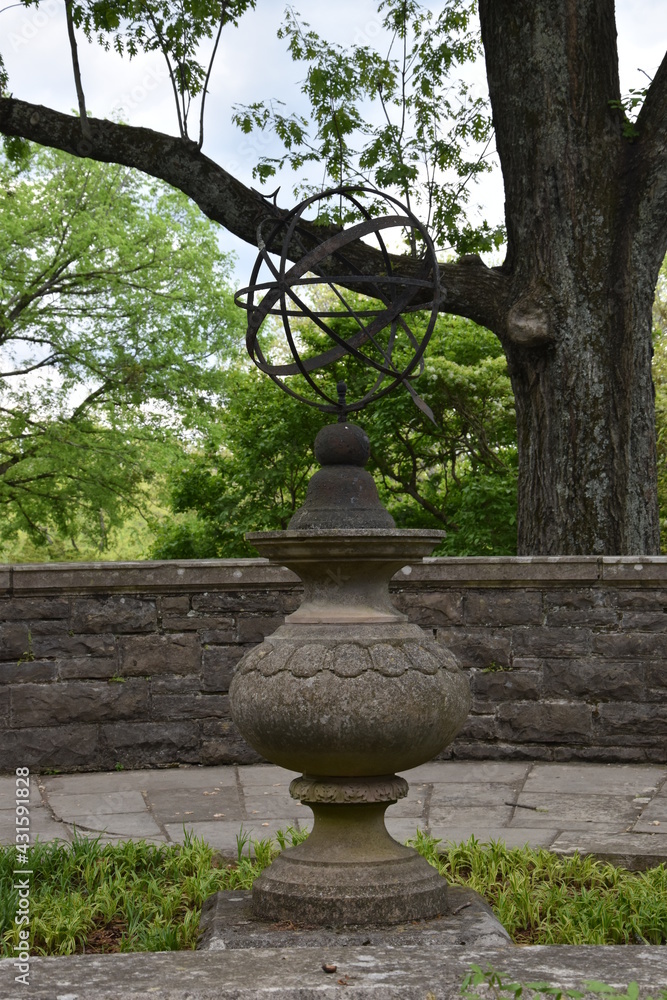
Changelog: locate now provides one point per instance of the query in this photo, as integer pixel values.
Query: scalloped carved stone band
(387, 788)
(305, 656)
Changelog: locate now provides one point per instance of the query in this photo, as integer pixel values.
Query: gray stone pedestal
(348, 692)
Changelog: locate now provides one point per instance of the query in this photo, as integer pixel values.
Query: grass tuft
(92, 897)
(545, 898)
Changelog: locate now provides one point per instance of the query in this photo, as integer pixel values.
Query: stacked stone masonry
(128, 664)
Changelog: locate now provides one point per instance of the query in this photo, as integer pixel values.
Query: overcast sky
(252, 64)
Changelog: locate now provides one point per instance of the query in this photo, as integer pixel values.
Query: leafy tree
(110, 338)
(586, 218)
(459, 475)
(415, 142)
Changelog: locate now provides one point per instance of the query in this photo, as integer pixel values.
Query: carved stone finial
(342, 494)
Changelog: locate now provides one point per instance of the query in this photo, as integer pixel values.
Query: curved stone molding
(304, 658)
(388, 788)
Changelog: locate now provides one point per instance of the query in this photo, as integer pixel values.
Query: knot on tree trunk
(528, 322)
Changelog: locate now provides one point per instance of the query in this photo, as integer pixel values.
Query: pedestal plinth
(349, 870)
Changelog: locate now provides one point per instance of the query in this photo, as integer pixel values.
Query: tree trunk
(577, 333)
(586, 435)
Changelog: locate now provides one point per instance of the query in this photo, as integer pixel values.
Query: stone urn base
(350, 870)
(348, 692)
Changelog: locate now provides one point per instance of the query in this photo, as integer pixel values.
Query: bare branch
(174, 86)
(223, 11)
(85, 129)
(24, 371)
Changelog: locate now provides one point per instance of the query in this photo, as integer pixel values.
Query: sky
(252, 63)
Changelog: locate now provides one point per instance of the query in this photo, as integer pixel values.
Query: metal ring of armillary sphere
(326, 257)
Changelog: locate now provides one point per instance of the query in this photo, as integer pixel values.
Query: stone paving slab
(470, 815)
(7, 793)
(370, 973)
(512, 837)
(656, 809)
(469, 770)
(271, 806)
(650, 826)
(178, 805)
(129, 826)
(461, 793)
(266, 774)
(42, 825)
(72, 804)
(584, 779)
(541, 808)
(591, 807)
(222, 835)
(629, 850)
(168, 777)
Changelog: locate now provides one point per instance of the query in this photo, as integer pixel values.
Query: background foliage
(115, 324)
(132, 423)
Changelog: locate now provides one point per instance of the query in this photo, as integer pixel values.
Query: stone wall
(111, 664)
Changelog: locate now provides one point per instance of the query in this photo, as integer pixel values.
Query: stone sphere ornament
(382, 339)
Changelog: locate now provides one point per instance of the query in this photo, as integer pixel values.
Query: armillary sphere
(380, 331)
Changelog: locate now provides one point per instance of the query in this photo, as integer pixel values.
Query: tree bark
(586, 213)
(582, 271)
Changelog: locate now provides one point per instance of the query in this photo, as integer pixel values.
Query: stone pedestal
(349, 692)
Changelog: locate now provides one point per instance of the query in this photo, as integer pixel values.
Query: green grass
(132, 896)
(544, 898)
(140, 897)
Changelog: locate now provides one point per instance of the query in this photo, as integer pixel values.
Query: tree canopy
(114, 321)
(585, 207)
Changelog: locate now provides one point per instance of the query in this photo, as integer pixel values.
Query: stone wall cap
(390, 972)
(147, 577)
(342, 533)
(508, 570)
(641, 570)
(172, 576)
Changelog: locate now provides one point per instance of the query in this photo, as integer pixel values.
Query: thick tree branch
(470, 289)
